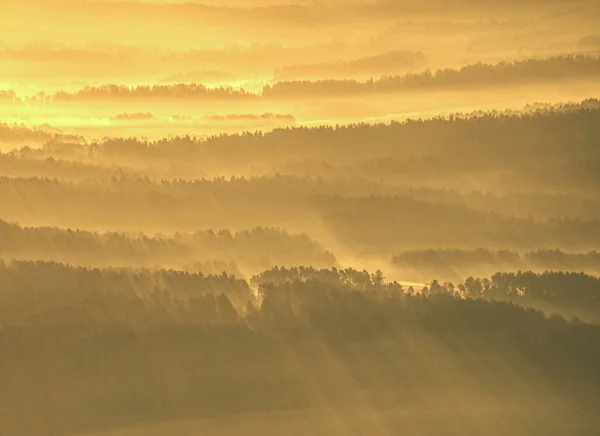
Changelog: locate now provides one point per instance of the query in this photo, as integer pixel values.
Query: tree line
(91, 342)
(246, 250)
(455, 263)
(526, 72)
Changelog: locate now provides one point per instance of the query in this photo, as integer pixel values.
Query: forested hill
(351, 336)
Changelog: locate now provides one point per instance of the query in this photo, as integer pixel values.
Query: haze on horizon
(299, 217)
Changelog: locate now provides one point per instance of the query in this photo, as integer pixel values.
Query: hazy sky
(64, 46)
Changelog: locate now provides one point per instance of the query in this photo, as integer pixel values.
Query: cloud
(589, 42)
(384, 63)
(250, 117)
(199, 76)
(44, 52)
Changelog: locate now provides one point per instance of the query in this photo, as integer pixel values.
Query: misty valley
(268, 217)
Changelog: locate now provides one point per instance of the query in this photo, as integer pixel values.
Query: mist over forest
(274, 217)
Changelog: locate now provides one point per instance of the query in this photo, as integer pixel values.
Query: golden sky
(50, 50)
